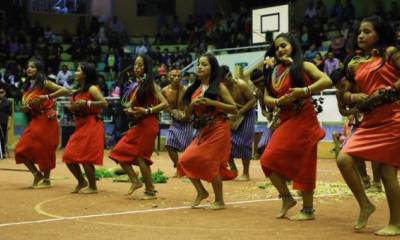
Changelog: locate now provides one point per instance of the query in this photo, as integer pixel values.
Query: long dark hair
(386, 36)
(296, 68)
(215, 79)
(90, 75)
(146, 89)
(40, 76)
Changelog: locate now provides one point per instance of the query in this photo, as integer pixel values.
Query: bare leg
(376, 175)
(219, 195)
(232, 165)
(347, 166)
(136, 184)
(91, 176)
(392, 190)
(246, 166)
(37, 176)
(76, 171)
(287, 200)
(146, 173)
(173, 155)
(201, 192)
(362, 169)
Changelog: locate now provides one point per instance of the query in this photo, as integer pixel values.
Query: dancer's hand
(37, 101)
(286, 100)
(358, 97)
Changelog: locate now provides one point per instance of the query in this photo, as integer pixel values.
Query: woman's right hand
(286, 99)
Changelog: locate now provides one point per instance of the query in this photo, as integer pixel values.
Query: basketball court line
(60, 218)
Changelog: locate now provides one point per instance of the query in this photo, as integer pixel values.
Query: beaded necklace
(278, 74)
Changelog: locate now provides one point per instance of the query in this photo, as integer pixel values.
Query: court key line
(58, 218)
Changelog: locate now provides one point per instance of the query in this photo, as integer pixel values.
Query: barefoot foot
(44, 183)
(243, 178)
(287, 203)
(365, 212)
(88, 190)
(303, 216)
(389, 230)
(134, 187)
(199, 198)
(217, 206)
(37, 177)
(79, 187)
(149, 195)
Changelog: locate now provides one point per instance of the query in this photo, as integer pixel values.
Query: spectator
(64, 76)
(331, 63)
(311, 10)
(5, 117)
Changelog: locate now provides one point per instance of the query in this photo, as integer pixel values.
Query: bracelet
(305, 90)
(149, 111)
(351, 98)
(48, 96)
(88, 103)
(308, 91)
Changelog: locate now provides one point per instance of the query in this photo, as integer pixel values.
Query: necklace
(203, 89)
(278, 74)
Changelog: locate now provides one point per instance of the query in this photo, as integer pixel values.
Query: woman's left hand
(297, 92)
(37, 101)
(205, 101)
(139, 111)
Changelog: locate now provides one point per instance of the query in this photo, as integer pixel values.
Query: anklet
(307, 211)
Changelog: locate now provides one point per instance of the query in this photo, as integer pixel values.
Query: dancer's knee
(344, 161)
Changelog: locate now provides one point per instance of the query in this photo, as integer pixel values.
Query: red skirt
(292, 150)
(86, 144)
(378, 136)
(207, 156)
(38, 142)
(137, 142)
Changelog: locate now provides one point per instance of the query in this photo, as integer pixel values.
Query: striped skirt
(242, 138)
(180, 135)
(263, 142)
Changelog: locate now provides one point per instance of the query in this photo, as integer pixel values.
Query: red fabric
(86, 145)
(378, 136)
(39, 141)
(139, 140)
(207, 156)
(292, 150)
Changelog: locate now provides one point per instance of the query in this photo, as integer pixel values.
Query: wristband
(88, 103)
(48, 97)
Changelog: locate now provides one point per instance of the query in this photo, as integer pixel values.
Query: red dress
(378, 136)
(39, 141)
(86, 144)
(208, 154)
(139, 140)
(292, 150)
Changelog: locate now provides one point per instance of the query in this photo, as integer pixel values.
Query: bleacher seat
(100, 66)
(65, 57)
(65, 47)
